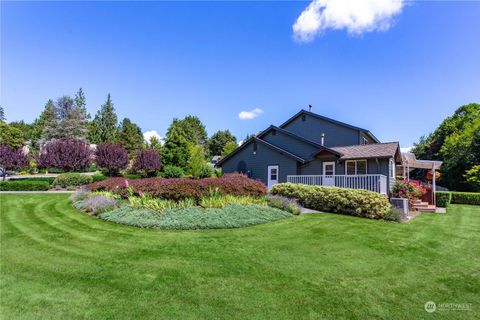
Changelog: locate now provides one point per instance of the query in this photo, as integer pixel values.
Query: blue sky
(161, 60)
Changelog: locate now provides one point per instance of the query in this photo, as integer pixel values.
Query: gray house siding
(256, 165)
(298, 147)
(369, 139)
(312, 129)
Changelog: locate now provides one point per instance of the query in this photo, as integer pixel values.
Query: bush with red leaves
(111, 157)
(181, 188)
(68, 155)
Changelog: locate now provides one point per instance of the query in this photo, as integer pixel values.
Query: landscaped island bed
(57, 262)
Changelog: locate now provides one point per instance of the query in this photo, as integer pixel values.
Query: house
(313, 149)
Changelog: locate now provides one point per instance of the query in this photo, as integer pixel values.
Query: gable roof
(291, 134)
(374, 150)
(269, 145)
(343, 124)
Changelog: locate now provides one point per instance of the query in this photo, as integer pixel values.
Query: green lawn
(59, 263)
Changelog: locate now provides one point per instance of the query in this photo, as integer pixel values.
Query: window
(273, 174)
(391, 168)
(303, 117)
(356, 167)
(364, 140)
(254, 148)
(274, 132)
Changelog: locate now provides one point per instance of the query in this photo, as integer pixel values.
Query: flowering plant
(408, 190)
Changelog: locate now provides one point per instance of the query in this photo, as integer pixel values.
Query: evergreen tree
(130, 136)
(155, 144)
(103, 128)
(2, 114)
(69, 122)
(46, 117)
(81, 103)
(176, 149)
(218, 141)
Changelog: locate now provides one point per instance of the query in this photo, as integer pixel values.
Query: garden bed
(232, 216)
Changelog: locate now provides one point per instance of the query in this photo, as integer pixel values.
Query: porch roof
(412, 162)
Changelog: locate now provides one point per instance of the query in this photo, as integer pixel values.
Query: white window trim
(356, 171)
(391, 169)
(327, 163)
(364, 141)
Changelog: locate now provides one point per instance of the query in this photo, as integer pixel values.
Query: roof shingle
(375, 150)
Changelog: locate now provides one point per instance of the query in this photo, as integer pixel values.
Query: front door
(272, 176)
(328, 178)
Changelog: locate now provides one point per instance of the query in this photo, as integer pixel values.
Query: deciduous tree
(68, 155)
(148, 162)
(12, 159)
(111, 157)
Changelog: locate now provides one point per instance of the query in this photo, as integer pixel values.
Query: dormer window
(364, 140)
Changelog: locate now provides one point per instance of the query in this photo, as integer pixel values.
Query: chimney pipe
(322, 139)
(310, 108)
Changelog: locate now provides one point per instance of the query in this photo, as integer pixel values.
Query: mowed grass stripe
(315, 266)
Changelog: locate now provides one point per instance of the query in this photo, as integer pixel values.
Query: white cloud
(152, 133)
(406, 149)
(357, 16)
(248, 115)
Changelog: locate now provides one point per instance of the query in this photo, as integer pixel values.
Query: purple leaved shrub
(12, 159)
(68, 155)
(111, 157)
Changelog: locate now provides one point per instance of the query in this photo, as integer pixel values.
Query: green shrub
(355, 202)
(46, 179)
(72, 180)
(98, 177)
(19, 185)
(466, 198)
(206, 171)
(443, 199)
(172, 172)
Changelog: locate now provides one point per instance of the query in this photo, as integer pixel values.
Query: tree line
(185, 150)
(456, 142)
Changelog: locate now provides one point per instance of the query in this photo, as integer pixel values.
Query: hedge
(19, 185)
(46, 179)
(72, 180)
(444, 198)
(354, 202)
(181, 188)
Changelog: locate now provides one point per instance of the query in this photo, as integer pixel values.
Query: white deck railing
(372, 182)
